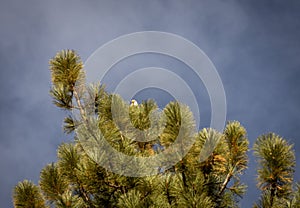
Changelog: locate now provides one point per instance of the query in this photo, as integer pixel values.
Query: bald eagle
(133, 103)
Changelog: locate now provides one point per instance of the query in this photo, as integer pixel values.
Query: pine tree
(207, 173)
(275, 173)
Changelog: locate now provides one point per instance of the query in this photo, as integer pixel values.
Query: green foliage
(173, 124)
(225, 163)
(52, 183)
(209, 165)
(66, 72)
(62, 96)
(26, 195)
(268, 201)
(295, 202)
(235, 136)
(70, 125)
(131, 199)
(66, 68)
(276, 160)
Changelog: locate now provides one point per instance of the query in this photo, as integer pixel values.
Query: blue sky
(254, 45)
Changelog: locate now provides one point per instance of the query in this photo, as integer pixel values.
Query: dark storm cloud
(254, 45)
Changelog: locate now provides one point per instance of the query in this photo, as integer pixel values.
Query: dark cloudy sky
(255, 46)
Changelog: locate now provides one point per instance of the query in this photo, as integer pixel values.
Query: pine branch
(80, 106)
(26, 194)
(277, 165)
(226, 181)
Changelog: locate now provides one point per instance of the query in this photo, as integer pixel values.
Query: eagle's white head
(133, 103)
